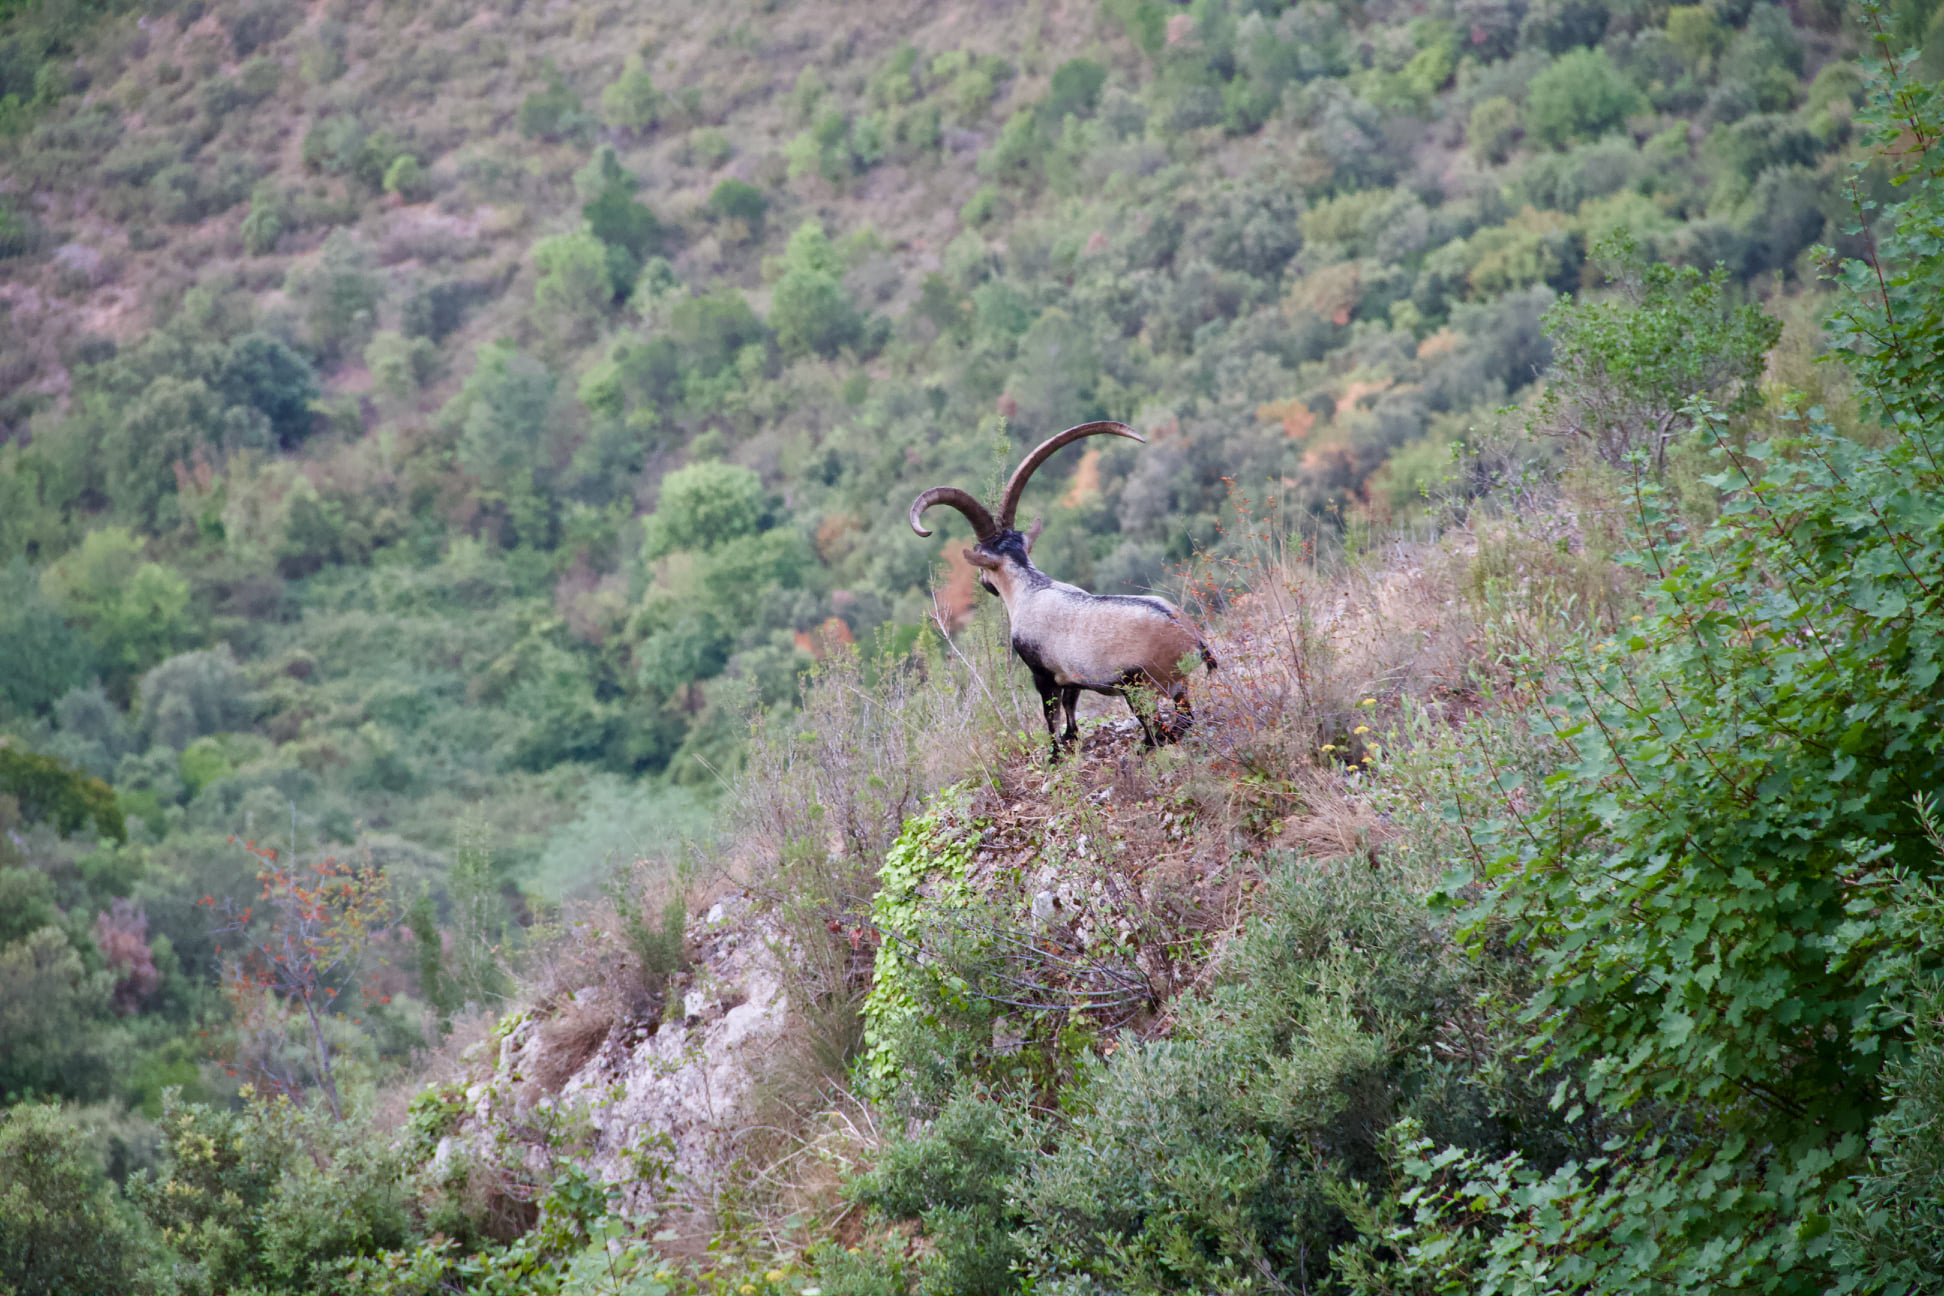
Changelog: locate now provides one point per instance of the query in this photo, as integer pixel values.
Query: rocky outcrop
(657, 1108)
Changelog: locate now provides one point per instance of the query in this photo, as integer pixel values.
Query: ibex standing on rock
(1070, 639)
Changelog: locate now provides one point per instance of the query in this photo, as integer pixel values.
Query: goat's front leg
(1184, 715)
(1070, 699)
(1141, 712)
(1049, 706)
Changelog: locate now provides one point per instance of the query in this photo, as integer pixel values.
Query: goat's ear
(978, 559)
(1032, 532)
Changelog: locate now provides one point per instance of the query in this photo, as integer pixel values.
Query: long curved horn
(1016, 484)
(975, 512)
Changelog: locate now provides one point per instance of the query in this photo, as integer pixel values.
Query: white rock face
(667, 1108)
(676, 1097)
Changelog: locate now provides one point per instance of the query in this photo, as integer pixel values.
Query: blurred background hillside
(430, 432)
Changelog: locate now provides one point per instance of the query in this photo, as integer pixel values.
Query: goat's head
(1002, 547)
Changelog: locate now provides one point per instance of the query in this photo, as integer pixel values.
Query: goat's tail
(1208, 658)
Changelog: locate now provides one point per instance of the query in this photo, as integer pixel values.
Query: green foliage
(339, 295)
(739, 200)
(45, 657)
(52, 790)
(1075, 90)
(406, 178)
(1890, 1236)
(1494, 130)
(1695, 32)
(576, 284)
(811, 313)
(133, 612)
(400, 366)
(191, 696)
(631, 101)
(703, 507)
(502, 412)
(554, 112)
(1731, 814)
(52, 1007)
(905, 991)
(1580, 96)
(627, 227)
(270, 1196)
(710, 332)
(62, 1232)
(1629, 366)
(957, 1176)
(262, 373)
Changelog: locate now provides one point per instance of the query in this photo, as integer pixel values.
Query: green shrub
(264, 224)
(399, 365)
(631, 101)
(739, 200)
(133, 612)
(576, 284)
(62, 1232)
(46, 657)
(628, 228)
(811, 313)
(1581, 95)
(1494, 130)
(339, 295)
(1733, 812)
(264, 374)
(502, 413)
(709, 332)
(190, 696)
(1074, 92)
(555, 112)
(704, 506)
(259, 23)
(406, 178)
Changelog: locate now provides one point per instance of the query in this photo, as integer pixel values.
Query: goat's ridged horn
(1016, 484)
(975, 512)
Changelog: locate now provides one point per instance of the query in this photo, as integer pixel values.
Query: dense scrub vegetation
(430, 436)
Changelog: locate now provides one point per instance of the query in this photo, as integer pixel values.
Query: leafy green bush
(133, 611)
(1580, 96)
(501, 412)
(339, 295)
(62, 1231)
(1733, 814)
(702, 507)
(554, 112)
(262, 373)
(46, 657)
(576, 284)
(406, 178)
(1494, 130)
(739, 200)
(631, 101)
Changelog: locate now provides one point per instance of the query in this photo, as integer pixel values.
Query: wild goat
(1070, 639)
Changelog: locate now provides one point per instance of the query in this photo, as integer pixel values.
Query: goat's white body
(1096, 641)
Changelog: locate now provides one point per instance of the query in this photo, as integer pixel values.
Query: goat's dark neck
(1015, 574)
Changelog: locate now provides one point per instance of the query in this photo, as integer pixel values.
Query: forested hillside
(453, 472)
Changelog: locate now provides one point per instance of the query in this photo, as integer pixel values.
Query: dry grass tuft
(571, 1038)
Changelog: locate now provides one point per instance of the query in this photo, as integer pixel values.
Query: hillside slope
(452, 532)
